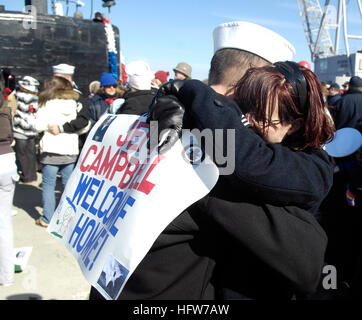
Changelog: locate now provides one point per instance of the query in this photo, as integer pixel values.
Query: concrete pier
(52, 273)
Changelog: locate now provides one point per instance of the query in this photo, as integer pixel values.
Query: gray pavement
(51, 273)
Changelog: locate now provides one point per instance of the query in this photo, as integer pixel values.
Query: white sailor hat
(63, 68)
(253, 38)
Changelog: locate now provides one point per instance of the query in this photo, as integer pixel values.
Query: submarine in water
(33, 42)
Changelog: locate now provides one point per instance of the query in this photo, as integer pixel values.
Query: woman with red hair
(284, 104)
(254, 225)
(260, 255)
(284, 163)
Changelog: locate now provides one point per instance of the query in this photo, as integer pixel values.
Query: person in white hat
(81, 123)
(240, 45)
(24, 127)
(64, 70)
(231, 226)
(140, 95)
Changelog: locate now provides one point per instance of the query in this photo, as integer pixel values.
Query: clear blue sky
(165, 32)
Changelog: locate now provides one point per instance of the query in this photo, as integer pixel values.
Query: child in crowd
(24, 127)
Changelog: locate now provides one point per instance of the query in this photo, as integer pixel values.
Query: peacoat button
(218, 103)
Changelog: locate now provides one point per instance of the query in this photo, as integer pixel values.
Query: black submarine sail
(33, 42)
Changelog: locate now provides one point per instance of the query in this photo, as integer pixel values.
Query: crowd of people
(278, 216)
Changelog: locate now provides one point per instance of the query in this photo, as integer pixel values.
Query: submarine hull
(30, 48)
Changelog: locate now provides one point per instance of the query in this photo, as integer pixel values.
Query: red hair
(260, 90)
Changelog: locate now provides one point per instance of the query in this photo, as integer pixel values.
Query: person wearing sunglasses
(101, 102)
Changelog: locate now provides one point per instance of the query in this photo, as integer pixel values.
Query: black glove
(168, 111)
(171, 87)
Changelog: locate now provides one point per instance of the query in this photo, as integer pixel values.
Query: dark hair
(229, 65)
(260, 90)
(54, 87)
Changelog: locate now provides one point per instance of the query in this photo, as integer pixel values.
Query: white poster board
(119, 198)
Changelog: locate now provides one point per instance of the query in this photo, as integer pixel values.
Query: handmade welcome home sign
(121, 196)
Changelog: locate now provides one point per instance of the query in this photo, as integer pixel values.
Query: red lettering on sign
(96, 163)
(85, 168)
(127, 175)
(146, 186)
(119, 167)
(107, 164)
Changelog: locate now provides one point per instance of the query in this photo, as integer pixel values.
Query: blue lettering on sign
(91, 224)
(122, 212)
(78, 230)
(82, 187)
(90, 193)
(117, 199)
(92, 209)
(71, 204)
(90, 235)
(101, 213)
(92, 244)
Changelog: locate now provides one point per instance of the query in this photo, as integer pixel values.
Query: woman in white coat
(58, 104)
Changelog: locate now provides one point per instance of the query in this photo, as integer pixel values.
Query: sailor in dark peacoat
(250, 220)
